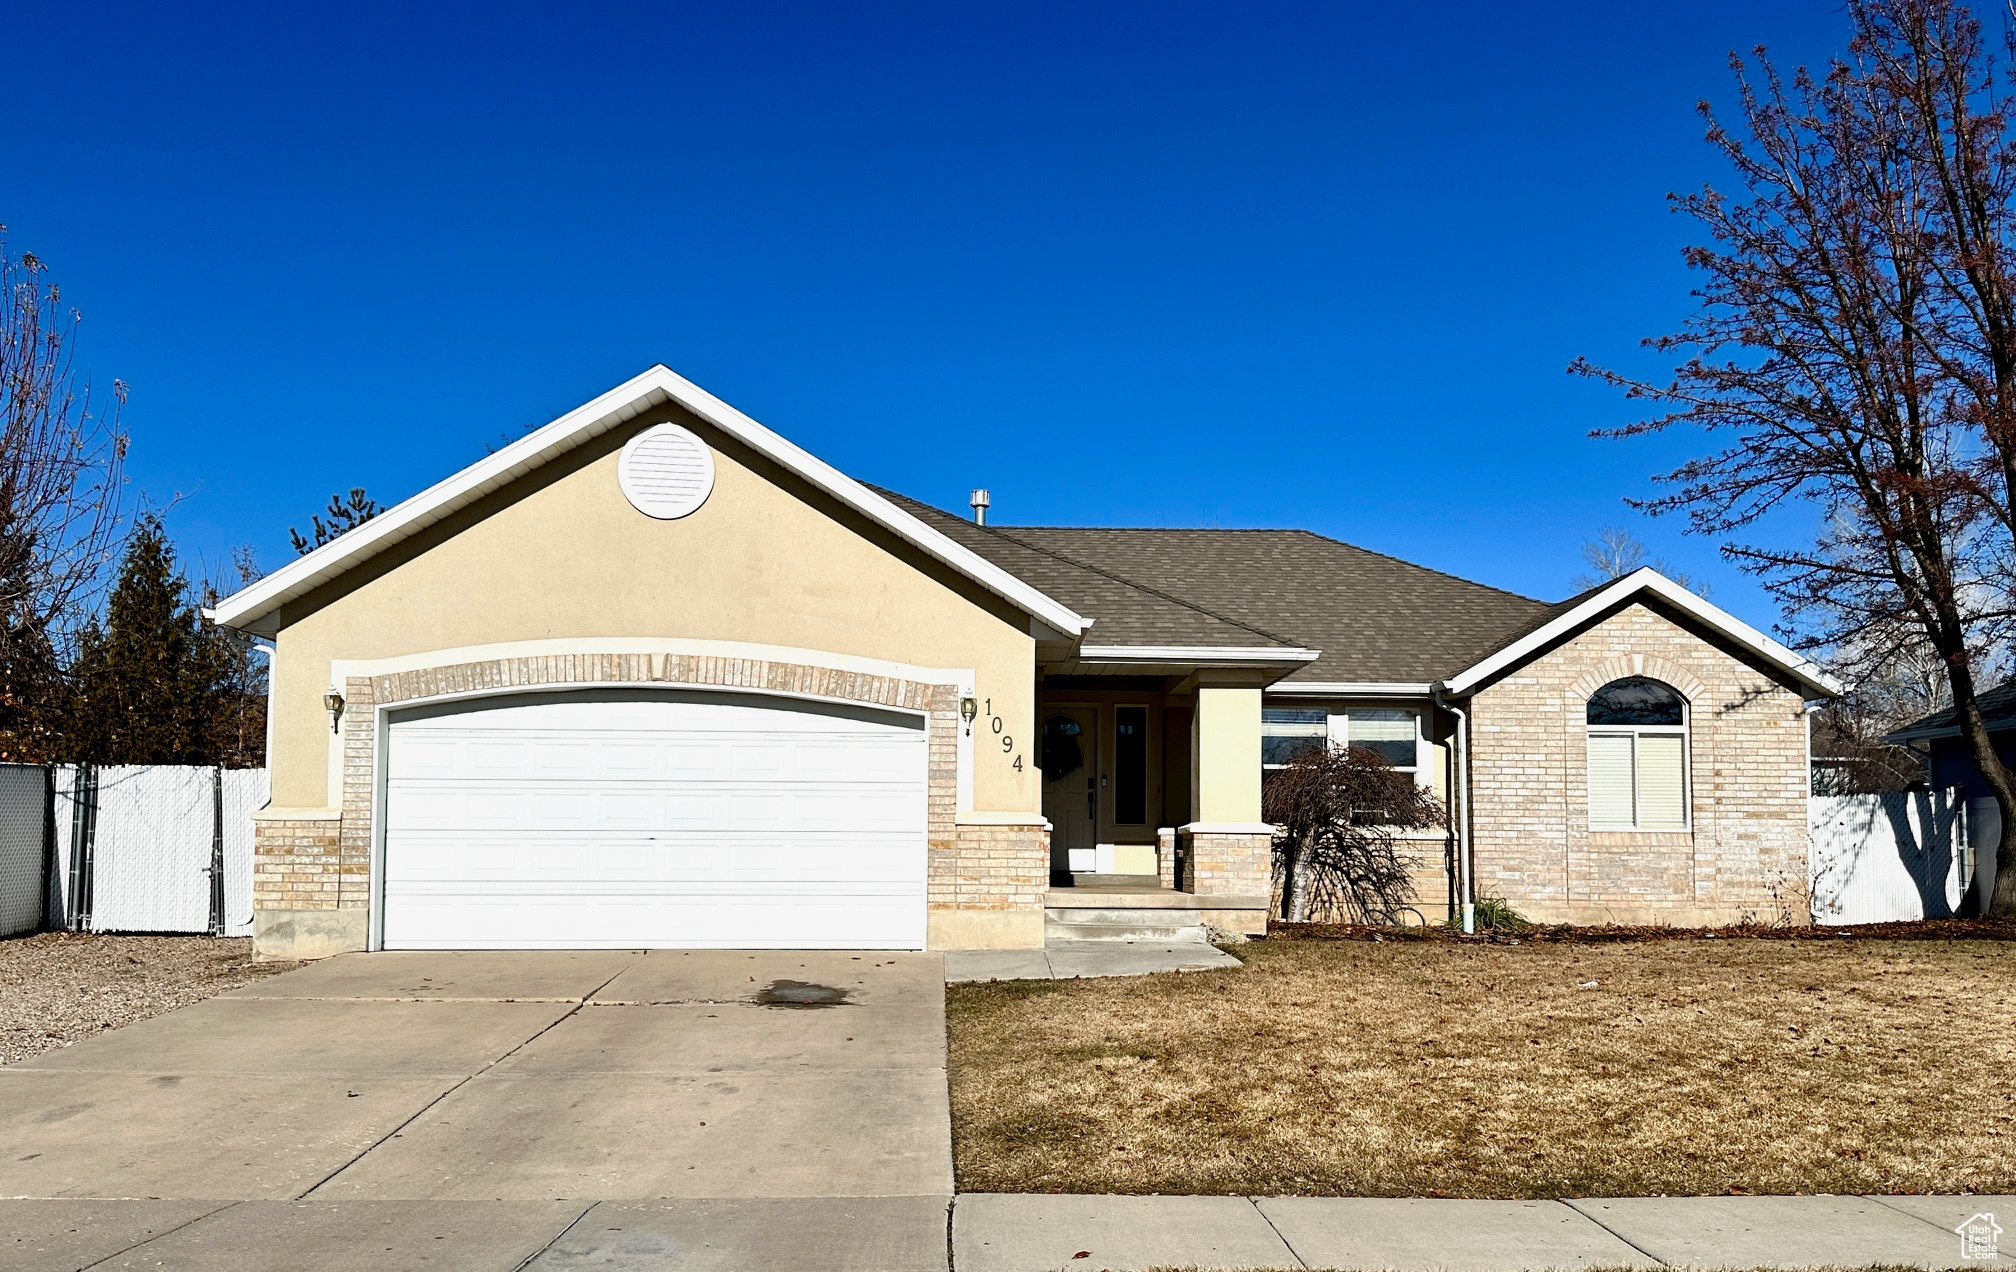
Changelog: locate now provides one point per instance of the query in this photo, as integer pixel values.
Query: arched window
(1637, 756)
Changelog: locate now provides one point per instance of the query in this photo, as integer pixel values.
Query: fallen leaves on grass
(1402, 1068)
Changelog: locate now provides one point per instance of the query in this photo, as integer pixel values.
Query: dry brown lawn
(1425, 1068)
(57, 987)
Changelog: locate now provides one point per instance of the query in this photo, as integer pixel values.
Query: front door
(1069, 757)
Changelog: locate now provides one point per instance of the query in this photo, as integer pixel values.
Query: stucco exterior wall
(561, 554)
(1226, 776)
(1745, 854)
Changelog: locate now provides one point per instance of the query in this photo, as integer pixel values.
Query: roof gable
(257, 608)
(1577, 612)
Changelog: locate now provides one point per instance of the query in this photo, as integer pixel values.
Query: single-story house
(654, 676)
(1949, 761)
(1950, 766)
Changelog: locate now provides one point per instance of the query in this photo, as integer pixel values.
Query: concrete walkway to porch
(1067, 960)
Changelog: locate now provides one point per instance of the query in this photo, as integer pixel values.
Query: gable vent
(666, 472)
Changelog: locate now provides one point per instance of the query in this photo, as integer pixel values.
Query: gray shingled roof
(1375, 618)
(1125, 611)
(1998, 710)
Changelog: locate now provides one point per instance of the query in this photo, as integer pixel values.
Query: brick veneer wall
(1227, 864)
(297, 865)
(1746, 853)
(995, 868)
(325, 865)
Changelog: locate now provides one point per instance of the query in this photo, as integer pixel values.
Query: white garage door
(631, 823)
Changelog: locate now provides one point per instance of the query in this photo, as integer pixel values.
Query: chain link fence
(24, 846)
(141, 848)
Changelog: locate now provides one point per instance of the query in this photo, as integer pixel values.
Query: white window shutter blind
(1662, 782)
(1389, 732)
(1610, 779)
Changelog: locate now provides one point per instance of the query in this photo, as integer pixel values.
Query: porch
(1139, 908)
(1151, 786)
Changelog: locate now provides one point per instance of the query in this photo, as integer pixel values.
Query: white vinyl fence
(156, 848)
(1886, 858)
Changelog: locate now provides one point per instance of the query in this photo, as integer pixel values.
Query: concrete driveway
(470, 1110)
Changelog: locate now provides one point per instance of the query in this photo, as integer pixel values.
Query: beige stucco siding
(1227, 747)
(561, 554)
(1745, 852)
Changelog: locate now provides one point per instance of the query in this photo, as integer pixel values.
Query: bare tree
(1855, 342)
(1338, 813)
(1616, 552)
(61, 489)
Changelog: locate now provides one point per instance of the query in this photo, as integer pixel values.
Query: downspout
(270, 651)
(1465, 868)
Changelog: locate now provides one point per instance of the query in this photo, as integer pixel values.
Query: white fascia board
(1192, 655)
(1349, 689)
(1648, 580)
(253, 608)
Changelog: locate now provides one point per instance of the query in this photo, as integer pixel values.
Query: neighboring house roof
(1998, 708)
(257, 608)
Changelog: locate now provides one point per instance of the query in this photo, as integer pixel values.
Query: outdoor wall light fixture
(334, 702)
(968, 708)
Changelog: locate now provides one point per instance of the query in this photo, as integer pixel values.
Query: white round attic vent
(666, 472)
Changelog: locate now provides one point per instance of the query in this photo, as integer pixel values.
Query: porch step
(1077, 924)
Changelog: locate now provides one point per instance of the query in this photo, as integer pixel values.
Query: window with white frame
(1637, 756)
(1388, 732)
(1287, 730)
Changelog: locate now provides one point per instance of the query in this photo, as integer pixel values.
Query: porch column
(1225, 773)
(1227, 849)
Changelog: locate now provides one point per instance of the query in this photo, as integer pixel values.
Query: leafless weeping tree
(1855, 347)
(61, 488)
(1338, 814)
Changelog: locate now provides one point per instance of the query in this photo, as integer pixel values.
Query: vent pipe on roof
(980, 500)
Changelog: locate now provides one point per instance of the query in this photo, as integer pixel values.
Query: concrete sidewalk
(991, 1233)
(996, 1232)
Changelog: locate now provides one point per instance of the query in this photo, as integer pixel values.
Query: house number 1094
(997, 724)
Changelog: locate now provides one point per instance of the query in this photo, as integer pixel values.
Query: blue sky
(1151, 264)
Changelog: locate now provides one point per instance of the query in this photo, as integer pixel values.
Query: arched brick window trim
(1651, 666)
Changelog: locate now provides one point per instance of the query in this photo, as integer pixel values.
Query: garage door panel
(589, 859)
(633, 823)
(547, 920)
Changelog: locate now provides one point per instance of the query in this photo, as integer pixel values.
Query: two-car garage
(633, 820)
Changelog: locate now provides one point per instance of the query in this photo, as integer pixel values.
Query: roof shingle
(1374, 617)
